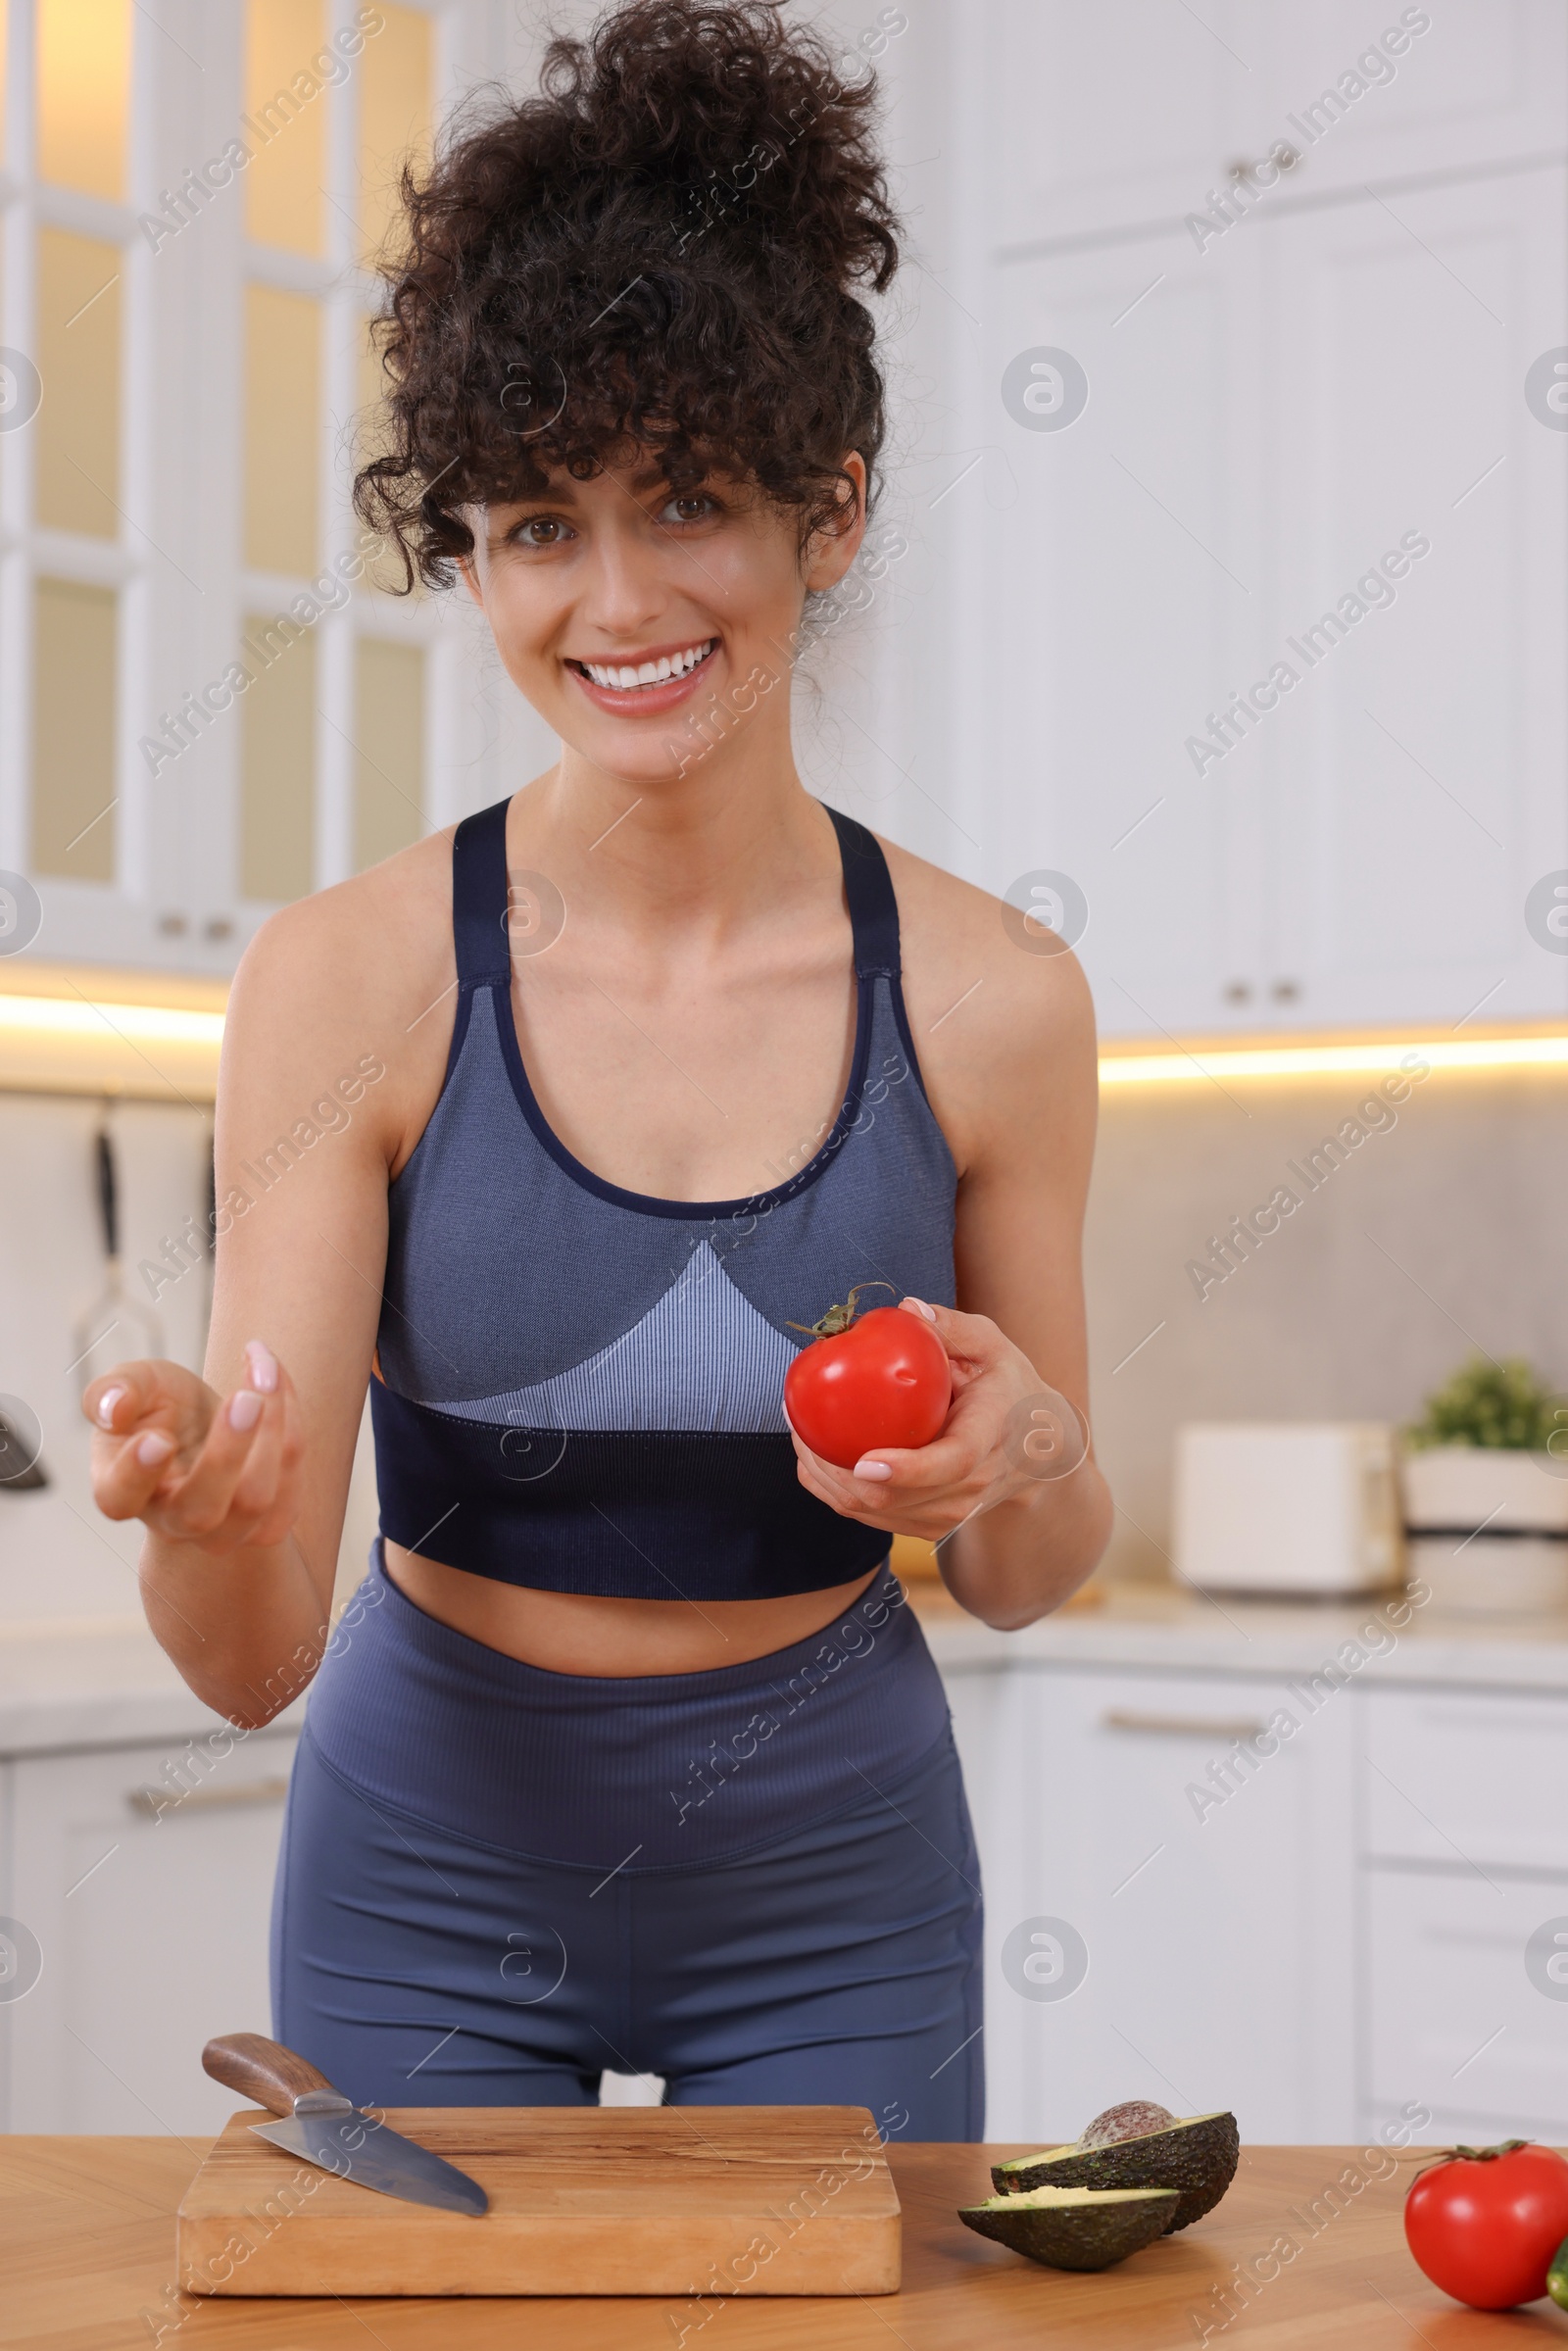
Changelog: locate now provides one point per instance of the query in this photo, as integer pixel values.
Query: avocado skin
(1198, 2158)
(1079, 2237)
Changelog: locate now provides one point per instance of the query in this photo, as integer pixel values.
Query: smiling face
(647, 625)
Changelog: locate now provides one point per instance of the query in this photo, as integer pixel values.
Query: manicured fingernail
(244, 1408)
(262, 1369)
(877, 1470)
(154, 1448)
(106, 1407)
(920, 1308)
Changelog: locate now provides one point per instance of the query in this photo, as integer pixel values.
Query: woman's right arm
(241, 1478)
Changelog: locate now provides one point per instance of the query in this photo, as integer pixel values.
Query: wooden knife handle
(261, 2069)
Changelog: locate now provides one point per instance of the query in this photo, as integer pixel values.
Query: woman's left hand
(1004, 1430)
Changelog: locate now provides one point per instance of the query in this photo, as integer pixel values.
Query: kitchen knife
(326, 2128)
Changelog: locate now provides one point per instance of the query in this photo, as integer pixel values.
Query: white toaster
(1287, 1507)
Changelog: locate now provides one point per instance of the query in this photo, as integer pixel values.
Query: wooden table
(87, 2247)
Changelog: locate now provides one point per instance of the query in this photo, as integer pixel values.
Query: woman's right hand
(195, 1468)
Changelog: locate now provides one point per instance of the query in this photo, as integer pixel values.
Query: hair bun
(741, 117)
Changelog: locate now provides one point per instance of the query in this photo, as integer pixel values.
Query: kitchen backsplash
(59, 1556)
(1441, 1230)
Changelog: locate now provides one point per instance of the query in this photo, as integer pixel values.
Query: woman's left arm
(1009, 1491)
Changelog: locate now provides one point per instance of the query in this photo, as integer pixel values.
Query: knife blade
(373, 2155)
(323, 2126)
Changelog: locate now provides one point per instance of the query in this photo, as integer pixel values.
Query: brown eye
(541, 530)
(691, 505)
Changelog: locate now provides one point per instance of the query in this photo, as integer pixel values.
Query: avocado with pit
(1197, 2157)
(1074, 2228)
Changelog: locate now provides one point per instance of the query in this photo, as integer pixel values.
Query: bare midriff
(583, 1632)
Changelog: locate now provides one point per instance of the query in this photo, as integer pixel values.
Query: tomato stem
(838, 1318)
(1507, 2146)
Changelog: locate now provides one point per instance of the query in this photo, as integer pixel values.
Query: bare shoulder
(1002, 1017)
(362, 970)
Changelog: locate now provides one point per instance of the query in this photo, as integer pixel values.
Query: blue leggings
(803, 1931)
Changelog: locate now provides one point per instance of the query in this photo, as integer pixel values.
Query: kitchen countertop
(89, 2230)
(1163, 1628)
(95, 1682)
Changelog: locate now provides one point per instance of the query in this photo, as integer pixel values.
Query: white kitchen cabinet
(1485, 79)
(1119, 574)
(1372, 1923)
(1093, 118)
(1458, 1778)
(1412, 782)
(1453, 2020)
(1465, 1935)
(153, 1931)
(1268, 417)
(1119, 119)
(1218, 1928)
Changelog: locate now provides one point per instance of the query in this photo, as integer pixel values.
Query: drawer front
(1467, 2015)
(1457, 1778)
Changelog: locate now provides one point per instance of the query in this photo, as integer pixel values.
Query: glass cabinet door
(208, 706)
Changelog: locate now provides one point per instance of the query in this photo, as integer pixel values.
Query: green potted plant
(1486, 1490)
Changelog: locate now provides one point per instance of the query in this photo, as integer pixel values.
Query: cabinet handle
(1281, 153)
(156, 1801)
(1183, 1726)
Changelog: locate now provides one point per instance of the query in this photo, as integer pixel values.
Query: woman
(626, 1756)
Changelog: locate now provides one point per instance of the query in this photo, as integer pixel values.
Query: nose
(627, 587)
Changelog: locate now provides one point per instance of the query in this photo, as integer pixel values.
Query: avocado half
(1074, 2228)
(1197, 2157)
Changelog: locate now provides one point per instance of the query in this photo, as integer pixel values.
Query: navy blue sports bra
(580, 1388)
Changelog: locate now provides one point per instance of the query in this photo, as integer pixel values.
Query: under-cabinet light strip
(79, 1019)
(1373, 1056)
(74, 1017)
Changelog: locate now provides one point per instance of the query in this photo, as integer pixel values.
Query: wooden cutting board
(583, 2200)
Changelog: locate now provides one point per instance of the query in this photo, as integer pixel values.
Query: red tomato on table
(869, 1380)
(1485, 2223)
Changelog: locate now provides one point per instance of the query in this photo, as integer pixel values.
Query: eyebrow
(563, 489)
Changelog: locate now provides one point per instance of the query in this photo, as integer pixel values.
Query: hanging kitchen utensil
(326, 2128)
(117, 1327)
(21, 1440)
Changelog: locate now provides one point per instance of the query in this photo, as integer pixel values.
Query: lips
(655, 682)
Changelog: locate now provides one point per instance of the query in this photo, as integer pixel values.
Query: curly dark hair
(660, 251)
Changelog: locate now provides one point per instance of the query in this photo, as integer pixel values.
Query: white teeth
(623, 678)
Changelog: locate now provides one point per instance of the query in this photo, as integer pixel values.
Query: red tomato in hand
(884, 1380)
(1485, 2226)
